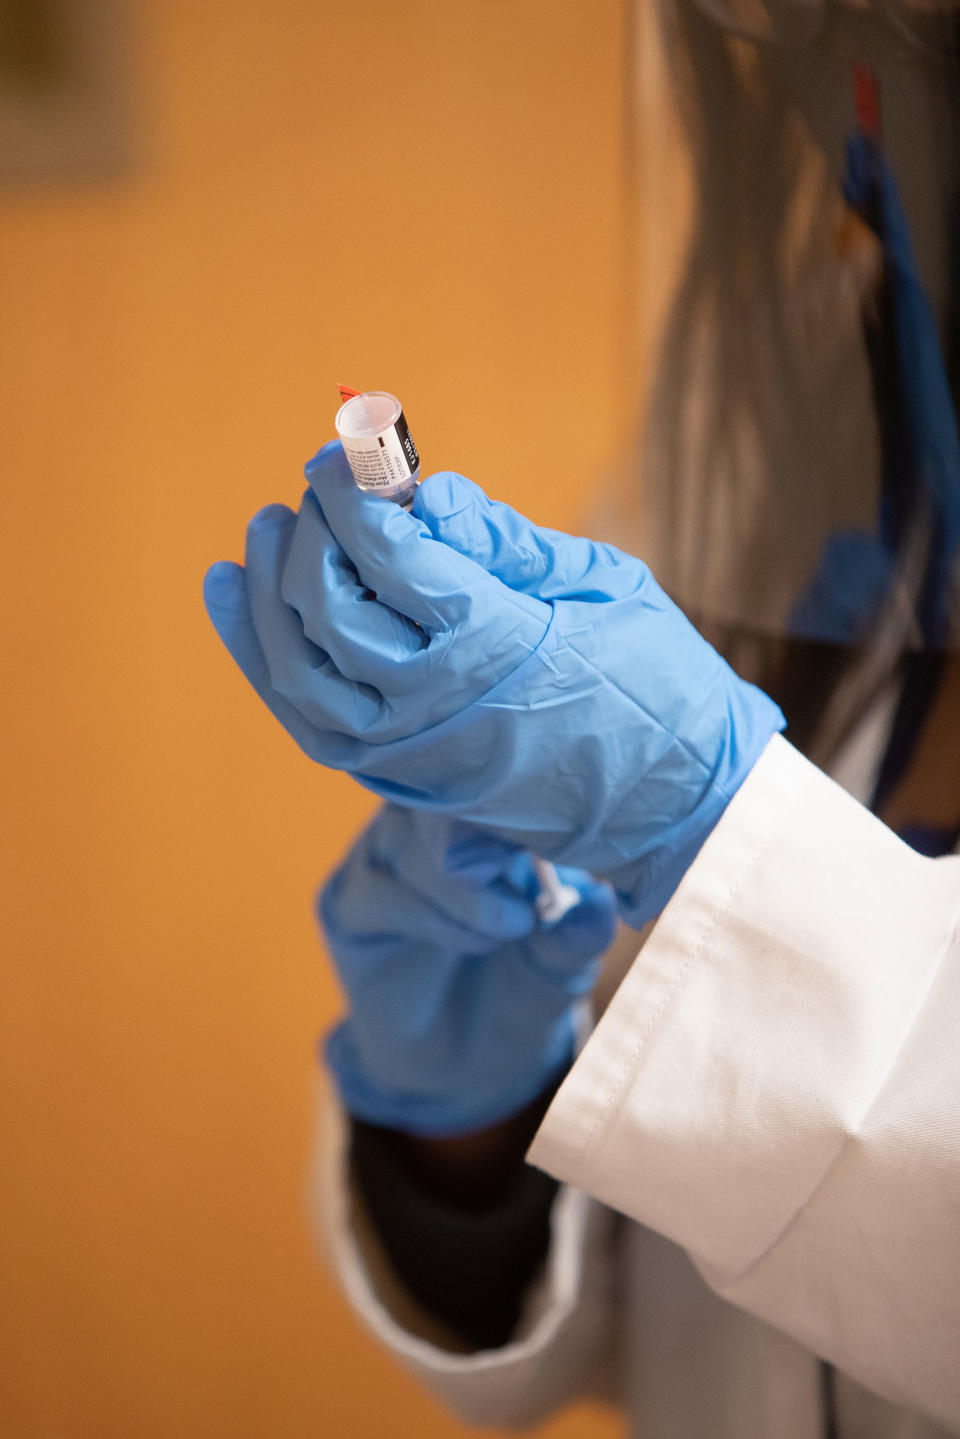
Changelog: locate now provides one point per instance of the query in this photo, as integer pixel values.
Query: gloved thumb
(396, 556)
(569, 953)
(528, 558)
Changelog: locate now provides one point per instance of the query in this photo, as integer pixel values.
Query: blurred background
(209, 214)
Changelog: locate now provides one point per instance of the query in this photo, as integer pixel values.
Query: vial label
(406, 440)
(383, 461)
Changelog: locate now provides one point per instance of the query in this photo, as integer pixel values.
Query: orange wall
(422, 197)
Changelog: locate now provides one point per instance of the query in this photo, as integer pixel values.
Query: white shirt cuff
(755, 1028)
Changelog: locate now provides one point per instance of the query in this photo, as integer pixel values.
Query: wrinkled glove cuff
(645, 887)
(442, 1116)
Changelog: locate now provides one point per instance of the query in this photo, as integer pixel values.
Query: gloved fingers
(227, 604)
(368, 641)
(291, 558)
(381, 904)
(300, 671)
(561, 951)
(529, 558)
(396, 557)
(451, 847)
(464, 872)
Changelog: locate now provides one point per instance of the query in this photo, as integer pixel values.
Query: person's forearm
(464, 1222)
(473, 1169)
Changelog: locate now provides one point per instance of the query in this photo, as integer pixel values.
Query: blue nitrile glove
(462, 660)
(463, 1003)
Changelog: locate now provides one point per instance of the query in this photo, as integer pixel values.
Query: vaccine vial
(384, 460)
(378, 445)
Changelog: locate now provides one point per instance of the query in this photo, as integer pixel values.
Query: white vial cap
(368, 415)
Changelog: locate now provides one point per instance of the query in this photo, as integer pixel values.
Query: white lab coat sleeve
(562, 1348)
(776, 1084)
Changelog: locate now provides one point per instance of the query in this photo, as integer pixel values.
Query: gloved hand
(460, 659)
(462, 1002)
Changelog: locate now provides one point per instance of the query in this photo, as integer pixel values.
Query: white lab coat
(773, 1097)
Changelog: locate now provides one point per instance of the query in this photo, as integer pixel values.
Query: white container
(379, 446)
